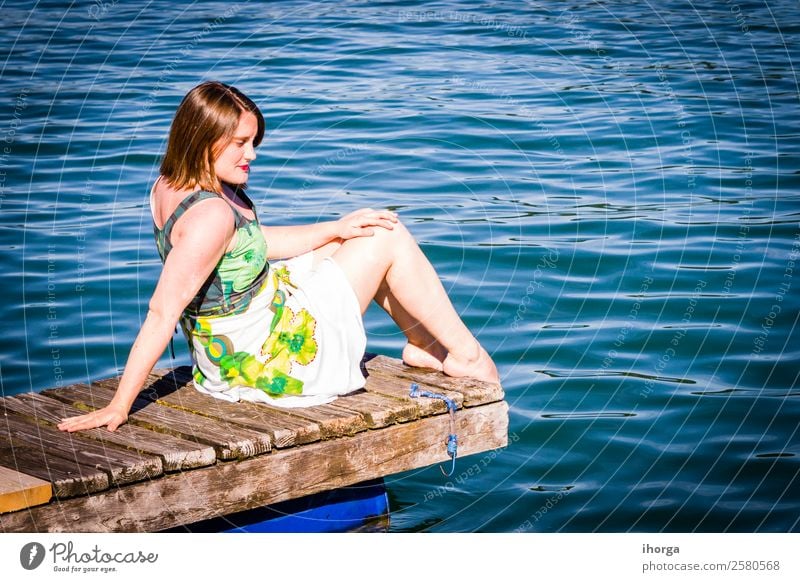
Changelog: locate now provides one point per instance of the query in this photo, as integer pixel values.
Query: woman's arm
(199, 240)
(284, 242)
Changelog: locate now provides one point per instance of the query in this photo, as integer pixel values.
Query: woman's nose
(250, 152)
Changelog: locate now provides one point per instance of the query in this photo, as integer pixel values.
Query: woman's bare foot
(480, 367)
(419, 358)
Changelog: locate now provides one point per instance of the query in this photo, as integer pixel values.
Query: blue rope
(452, 439)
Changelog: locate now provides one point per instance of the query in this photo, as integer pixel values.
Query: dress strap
(185, 205)
(163, 235)
(241, 193)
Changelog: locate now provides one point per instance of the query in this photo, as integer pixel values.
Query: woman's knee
(383, 245)
(392, 238)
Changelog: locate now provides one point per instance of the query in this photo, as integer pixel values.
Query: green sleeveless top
(240, 273)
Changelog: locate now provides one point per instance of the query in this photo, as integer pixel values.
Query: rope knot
(452, 439)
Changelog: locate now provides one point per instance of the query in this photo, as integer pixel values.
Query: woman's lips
(245, 167)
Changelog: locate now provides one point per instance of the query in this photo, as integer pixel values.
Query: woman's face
(233, 164)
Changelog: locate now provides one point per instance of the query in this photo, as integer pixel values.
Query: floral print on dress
(252, 257)
(291, 341)
(243, 369)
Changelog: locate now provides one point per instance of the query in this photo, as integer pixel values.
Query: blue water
(609, 191)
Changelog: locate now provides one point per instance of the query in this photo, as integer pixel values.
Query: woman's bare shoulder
(166, 199)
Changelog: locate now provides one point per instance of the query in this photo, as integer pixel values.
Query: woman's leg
(392, 259)
(326, 250)
(422, 349)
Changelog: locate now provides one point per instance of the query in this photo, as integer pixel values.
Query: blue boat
(360, 507)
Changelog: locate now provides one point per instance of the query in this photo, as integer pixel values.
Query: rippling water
(609, 191)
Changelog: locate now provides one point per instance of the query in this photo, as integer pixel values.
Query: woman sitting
(287, 333)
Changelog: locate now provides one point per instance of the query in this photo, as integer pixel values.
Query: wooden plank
(474, 392)
(285, 430)
(378, 410)
(388, 386)
(384, 403)
(176, 377)
(20, 491)
(122, 466)
(334, 422)
(229, 441)
(336, 419)
(190, 496)
(176, 454)
(68, 477)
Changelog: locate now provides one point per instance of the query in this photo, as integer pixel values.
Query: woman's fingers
(384, 218)
(387, 215)
(94, 419)
(79, 422)
(362, 222)
(387, 224)
(72, 424)
(376, 214)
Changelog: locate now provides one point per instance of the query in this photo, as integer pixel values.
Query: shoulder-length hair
(204, 125)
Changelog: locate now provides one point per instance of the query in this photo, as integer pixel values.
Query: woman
(288, 333)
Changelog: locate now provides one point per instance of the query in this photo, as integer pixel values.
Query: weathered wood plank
(176, 454)
(333, 421)
(229, 440)
(378, 410)
(384, 385)
(285, 474)
(122, 466)
(180, 376)
(68, 477)
(285, 430)
(20, 491)
(475, 392)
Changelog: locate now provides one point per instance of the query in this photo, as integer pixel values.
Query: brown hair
(208, 115)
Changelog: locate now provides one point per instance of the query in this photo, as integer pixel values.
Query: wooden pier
(184, 457)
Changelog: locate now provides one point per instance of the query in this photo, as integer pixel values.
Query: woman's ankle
(482, 368)
(466, 354)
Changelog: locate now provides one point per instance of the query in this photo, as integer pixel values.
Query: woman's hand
(361, 222)
(110, 416)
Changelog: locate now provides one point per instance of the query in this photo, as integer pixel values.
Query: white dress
(324, 294)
